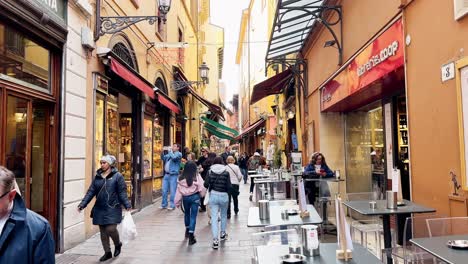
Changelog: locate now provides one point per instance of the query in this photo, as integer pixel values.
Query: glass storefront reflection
(23, 59)
(16, 138)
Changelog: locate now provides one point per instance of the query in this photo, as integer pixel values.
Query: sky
(227, 14)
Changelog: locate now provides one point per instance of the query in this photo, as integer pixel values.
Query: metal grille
(124, 54)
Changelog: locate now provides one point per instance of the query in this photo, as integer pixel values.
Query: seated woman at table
(317, 168)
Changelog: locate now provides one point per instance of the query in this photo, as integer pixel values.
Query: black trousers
(252, 184)
(106, 232)
(312, 190)
(234, 197)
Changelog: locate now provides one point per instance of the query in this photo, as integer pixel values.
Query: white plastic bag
(207, 198)
(129, 231)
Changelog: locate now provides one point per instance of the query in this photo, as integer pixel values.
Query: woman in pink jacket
(189, 191)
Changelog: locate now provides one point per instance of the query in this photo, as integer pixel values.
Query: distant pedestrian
(236, 177)
(243, 165)
(270, 155)
(26, 236)
(110, 190)
(190, 189)
(253, 164)
(226, 153)
(206, 165)
(218, 184)
(171, 172)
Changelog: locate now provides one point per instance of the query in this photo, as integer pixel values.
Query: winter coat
(175, 159)
(234, 173)
(309, 172)
(184, 190)
(26, 237)
(111, 195)
(243, 162)
(218, 179)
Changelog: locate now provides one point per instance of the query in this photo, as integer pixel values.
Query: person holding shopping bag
(190, 189)
(110, 190)
(236, 177)
(218, 183)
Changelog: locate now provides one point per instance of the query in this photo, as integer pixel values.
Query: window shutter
(460, 8)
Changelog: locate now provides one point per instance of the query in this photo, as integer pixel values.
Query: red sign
(382, 56)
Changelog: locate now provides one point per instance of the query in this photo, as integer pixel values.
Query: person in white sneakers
(218, 183)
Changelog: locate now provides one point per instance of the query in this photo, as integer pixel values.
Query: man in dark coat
(110, 190)
(25, 236)
(227, 153)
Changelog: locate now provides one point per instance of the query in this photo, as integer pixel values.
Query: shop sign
(382, 56)
(102, 83)
(55, 6)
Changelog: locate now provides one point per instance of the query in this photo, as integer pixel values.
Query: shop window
(24, 60)
(462, 83)
(99, 130)
(364, 142)
(157, 151)
(147, 146)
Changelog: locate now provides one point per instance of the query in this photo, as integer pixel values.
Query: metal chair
(447, 226)
(415, 227)
(269, 246)
(365, 225)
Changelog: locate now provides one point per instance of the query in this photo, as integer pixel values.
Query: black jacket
(243, 162)
(218, 179)
(111, 195)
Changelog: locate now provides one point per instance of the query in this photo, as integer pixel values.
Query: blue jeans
(191, 204)
(244, 173)
(169, 184)
(219, 202)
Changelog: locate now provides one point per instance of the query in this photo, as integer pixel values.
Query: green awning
(218, 133)
(219, 126)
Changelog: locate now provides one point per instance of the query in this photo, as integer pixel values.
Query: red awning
(167, 102)
(273, 85)
(252, 127)
(212, 107)
(132, 77)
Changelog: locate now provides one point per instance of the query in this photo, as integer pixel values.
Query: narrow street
(161, 240)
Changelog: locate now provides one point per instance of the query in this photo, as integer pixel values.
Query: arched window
(121, 46)
(161, 85)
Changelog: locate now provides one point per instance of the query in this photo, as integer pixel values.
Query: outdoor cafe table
(437, 246)
(270, 184)
(275, 217)
(271, 255)
(363, 208)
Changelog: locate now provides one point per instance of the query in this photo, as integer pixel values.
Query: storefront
(30, 90)
(128, 126)
(369, 92)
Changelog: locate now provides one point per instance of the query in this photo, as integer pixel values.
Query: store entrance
(364, 147)
(28, 152)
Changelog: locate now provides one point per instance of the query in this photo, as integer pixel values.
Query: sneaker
(215, 244)
(223, 236)
(162, 207)
(171, 208)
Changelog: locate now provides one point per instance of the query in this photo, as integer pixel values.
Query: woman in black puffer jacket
(111, 194)
(218, 184)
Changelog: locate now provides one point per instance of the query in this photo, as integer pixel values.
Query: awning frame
(308, 14)
(249, 129)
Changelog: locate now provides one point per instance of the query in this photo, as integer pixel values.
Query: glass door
(27, 150)
(365, 163)
(40, 159)
(17, 141)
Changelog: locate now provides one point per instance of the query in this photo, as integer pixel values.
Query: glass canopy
(294, 19)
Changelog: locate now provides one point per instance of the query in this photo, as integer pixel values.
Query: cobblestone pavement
(161, 240)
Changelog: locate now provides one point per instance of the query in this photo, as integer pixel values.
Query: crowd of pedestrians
(209, 184)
